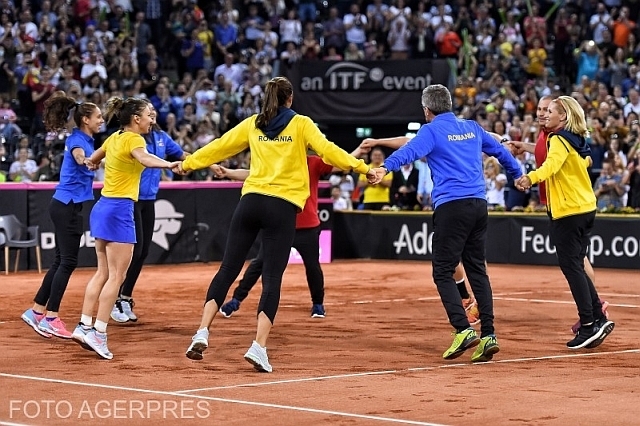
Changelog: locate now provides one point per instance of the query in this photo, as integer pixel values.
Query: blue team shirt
(160, 144)
(76, 181)
(454, 150)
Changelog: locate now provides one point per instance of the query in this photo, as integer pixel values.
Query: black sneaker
(586, 335)
(230, 307)
(607, 327)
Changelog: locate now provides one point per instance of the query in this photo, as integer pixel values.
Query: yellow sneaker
(461, 342)
(486, 349)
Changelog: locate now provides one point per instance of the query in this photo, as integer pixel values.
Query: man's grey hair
(437, 98)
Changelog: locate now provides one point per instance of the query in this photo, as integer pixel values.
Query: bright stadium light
(413, 126)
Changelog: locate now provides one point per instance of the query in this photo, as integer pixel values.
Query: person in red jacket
(539, 150)
(306, 241)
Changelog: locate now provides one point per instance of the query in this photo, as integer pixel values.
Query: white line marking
(420, 299)
(233, 401)
(559, 302)
(436, 367)
(12, 424)
(614, 294)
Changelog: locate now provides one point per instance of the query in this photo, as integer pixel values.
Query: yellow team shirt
(122, 171)
(376, 193)
(278, 166)
(206, 38)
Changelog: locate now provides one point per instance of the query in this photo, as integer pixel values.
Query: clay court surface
(375, 359)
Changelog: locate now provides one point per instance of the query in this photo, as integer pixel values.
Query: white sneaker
(127, 308)
(199, 344)
(257, 355)
(79, 334)
(116, 313)
(98, 342)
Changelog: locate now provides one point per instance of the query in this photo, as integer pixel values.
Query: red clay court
(374, 360)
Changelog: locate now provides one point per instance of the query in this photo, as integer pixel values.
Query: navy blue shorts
(112, 220)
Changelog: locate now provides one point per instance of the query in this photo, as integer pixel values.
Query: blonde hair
(576, 121)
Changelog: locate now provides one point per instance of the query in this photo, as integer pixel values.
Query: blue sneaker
(317, 311)
(79, 334)
(32, 319)
(230, 307)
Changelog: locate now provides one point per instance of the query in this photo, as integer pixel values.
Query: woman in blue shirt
(75, 187)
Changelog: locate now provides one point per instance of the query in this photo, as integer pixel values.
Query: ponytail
(59, 107)
(124, 109)
(114, 105)
(276, 93)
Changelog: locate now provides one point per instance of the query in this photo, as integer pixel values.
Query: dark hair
(124, 109)
(58, 107)
(276, 93)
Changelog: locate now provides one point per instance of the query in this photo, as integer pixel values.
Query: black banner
(517, 239)
(366, 92)
(13, 200)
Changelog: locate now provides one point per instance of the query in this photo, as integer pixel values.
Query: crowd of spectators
(203, 65)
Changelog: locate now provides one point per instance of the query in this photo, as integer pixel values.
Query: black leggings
(276, 218)
(307, 242)
(144, 216)
(571, 236)
(68, 225)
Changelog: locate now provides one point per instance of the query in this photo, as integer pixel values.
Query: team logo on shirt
(167, 223)
(280, 138)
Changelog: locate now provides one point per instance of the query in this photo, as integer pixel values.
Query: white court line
(419, 299)
(499, 296)
(12, 424)
(232, 401)
(614, 294)
(436, 367)
(560, 302)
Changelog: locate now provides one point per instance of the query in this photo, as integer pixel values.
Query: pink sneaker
(605, 312)
(33, 319)
(56, 327)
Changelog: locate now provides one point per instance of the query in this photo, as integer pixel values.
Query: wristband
(386, 171)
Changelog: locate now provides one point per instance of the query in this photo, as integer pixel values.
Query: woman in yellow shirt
(376, 197)
(274, 192)
(111, 220)
(571, 205)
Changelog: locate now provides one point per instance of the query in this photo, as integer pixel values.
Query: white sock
(101, 326)
(126, 297)
(86, 320)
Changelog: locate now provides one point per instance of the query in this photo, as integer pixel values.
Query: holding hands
(375, 175)
(523, 183)
(219, 171)
(91, 165)
(367, 144)
(176, 167)
(516, 147)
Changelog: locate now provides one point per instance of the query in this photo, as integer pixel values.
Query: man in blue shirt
(454, 149)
